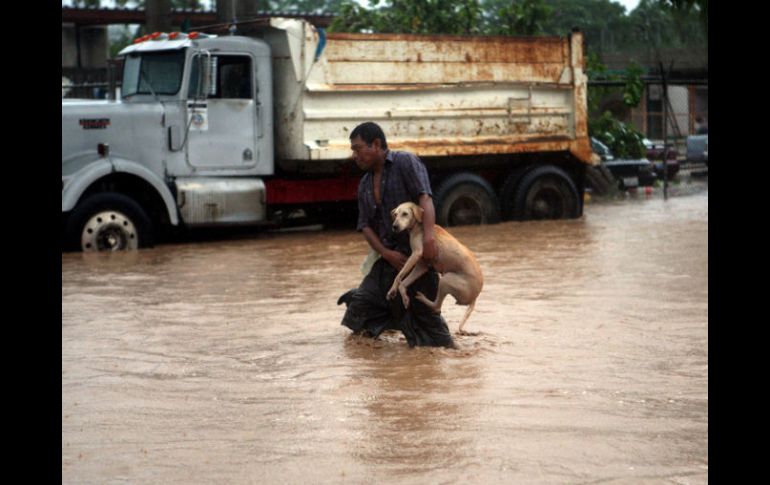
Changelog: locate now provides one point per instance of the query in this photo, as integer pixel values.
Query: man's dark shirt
(404, 178)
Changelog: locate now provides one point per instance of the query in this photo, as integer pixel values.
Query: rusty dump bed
(434, 95)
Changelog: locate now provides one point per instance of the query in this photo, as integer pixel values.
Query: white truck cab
(175, 138)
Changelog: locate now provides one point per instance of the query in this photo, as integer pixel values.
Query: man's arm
(429, 251)
(395, 258)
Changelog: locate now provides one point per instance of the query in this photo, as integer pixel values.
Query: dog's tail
(467, 314)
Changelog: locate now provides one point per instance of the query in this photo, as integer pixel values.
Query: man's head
(368, 144)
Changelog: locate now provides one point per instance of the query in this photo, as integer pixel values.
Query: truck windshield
(153, 73)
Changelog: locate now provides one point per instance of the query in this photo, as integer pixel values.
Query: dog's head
(406, 216)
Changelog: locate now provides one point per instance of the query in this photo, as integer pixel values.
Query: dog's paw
(392, 293)
(468, 334)
(405, 300)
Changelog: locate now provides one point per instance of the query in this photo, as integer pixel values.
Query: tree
(185, 4)
(659, 29)
(604, 23)
(525, 17)
(121, 37)
(410, 16)
(623, 140)
(306, 6)
(687, 6)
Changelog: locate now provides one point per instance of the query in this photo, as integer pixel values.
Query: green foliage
(86, 3)
(603, 23)
(409, 16)
(121, 37)
(525, 17)
(634, 88)
(193, 4)
(305, 6)
(623, 140)
(681, 8)
(595, 70)
(353, 17)
(659, 26)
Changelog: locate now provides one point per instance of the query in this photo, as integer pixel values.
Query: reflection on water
(411, 422)
(224, 361)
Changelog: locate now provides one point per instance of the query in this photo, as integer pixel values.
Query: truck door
(222, 133)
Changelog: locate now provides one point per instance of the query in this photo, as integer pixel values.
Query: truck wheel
(601, 180)
(464, 199)
(546, 193)
(108, 222)
(508, 191)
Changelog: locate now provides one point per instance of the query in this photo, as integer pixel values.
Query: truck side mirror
(204, 69)
(204, 83)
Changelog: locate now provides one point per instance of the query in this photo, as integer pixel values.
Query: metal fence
(96, 83)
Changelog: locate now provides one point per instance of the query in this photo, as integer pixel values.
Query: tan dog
(460, 272)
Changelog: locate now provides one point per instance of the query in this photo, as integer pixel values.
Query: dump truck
(216, 129)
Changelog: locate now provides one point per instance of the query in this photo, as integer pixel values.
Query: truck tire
(508, 191)
(546, 192)
(465, 198)
(601, 180)
(108, 222)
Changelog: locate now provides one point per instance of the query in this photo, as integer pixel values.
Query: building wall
(687, 103)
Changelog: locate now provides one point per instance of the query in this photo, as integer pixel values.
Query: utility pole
(247, 9)
(225, 11)
(234, 10)
(664, 77)
(158, 14)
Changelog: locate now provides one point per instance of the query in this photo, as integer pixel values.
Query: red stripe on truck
(282, 191)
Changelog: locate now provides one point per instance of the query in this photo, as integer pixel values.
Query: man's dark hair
(368, 132)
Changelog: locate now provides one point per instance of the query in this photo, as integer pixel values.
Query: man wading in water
(392, 177)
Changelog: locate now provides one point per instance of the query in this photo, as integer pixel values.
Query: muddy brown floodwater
(225, 361)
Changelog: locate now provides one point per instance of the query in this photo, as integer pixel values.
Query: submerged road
(225, 361)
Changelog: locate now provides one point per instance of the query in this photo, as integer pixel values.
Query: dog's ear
(418, 211)
(393, 213)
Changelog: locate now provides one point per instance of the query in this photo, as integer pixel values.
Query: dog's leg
(419, 270)
(410, 263)
(450, 284)
(443, 291)
(467, 314)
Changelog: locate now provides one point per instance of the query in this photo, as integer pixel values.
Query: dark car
(655, 153)
(698, 149)
(629, 173)
(654, 150)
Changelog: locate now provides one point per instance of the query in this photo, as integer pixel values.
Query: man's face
(365, 156)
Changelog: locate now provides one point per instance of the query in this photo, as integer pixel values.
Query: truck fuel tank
(206, 201)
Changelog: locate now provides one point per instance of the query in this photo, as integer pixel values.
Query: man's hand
(429, 250)
(396, 259)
